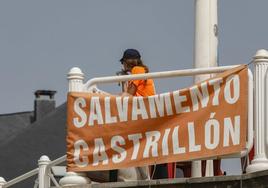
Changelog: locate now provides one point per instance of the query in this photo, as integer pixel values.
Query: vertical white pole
(260, 161)
(75, 79)
(206, 35)
(44, 180)
(2, 182)
(205, 54)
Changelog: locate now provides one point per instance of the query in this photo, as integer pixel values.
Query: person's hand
(124, 94)
(125, 86)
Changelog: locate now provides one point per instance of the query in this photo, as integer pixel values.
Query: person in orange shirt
(133, 64)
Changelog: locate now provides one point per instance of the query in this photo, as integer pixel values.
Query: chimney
(44, 103)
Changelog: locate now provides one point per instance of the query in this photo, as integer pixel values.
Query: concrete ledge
(253, 180)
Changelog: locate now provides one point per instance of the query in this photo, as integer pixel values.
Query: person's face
(128, 64)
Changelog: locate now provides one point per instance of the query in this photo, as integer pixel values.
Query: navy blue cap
(130, 54)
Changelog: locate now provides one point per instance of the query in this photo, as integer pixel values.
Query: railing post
(44, 180)
(260, 161)
(2, 182)
(75, 78)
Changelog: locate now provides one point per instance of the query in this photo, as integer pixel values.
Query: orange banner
(205, 120)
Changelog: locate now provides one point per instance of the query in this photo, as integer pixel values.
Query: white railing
(76, 78)
(43, 172)
(165, 74)
(91, 86)
(259, 111)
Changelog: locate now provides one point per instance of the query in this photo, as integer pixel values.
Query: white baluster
(44, 180)
(260, 161)
(2, 182)
(75, 78)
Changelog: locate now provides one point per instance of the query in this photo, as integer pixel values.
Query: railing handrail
(163, 74)
(57, 161)
(22, 177)
(33, 172)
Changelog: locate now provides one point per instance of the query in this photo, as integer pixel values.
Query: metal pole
(206, 35)
(205, 52)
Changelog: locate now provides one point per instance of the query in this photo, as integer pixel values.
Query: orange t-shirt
(144, 87)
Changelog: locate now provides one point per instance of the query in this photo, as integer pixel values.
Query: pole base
(258, 164)
(196, 169)
(73, 178)
(209, 168)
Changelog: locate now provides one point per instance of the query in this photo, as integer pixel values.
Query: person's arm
(132, 88)
(129, 90)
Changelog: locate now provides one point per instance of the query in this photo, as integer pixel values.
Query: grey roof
(12, 124)
(44, 137)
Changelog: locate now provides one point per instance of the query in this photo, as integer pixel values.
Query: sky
(41, 40)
